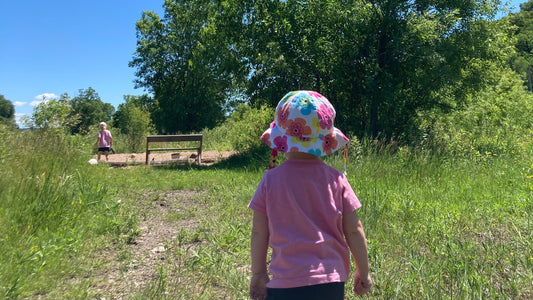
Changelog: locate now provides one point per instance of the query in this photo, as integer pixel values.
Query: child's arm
(259, 247)
(355, 237)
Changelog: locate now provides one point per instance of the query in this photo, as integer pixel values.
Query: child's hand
(361, 284)
(258, 290)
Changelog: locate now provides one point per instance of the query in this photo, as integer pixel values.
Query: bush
(241, 131)
(52, 204)
(133, 123)
(497, 120)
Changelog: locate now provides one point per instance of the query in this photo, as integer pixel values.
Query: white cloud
(35, 103)
(43, 98)
(19, 103)
(19, 117)
(46, 96)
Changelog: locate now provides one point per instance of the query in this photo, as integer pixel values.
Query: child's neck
(300, 155)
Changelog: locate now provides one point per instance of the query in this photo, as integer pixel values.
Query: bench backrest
(174, 138)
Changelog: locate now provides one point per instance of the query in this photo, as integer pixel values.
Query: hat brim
(320, 146)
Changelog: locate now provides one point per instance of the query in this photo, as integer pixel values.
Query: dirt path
(158, 229)
(123, 159)
(162, 214)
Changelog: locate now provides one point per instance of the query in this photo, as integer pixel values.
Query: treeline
(439, 74)
(382, 63)
(81, 115)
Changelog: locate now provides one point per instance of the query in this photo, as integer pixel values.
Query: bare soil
(162, 214)
(123, 272)
(124, 159)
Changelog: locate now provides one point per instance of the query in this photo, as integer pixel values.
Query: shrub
(496, 120)
(242, 129)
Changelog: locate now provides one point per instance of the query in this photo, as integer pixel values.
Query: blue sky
(48, 48)
(53, 47)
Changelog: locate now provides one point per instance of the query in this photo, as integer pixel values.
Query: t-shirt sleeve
(350, 200)
(258, 202)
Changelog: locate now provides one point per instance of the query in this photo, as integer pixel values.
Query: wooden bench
(174, 138)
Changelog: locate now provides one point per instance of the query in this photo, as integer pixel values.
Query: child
(105, 141)
(305, 210)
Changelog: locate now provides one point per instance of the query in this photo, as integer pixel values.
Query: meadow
(438, 226)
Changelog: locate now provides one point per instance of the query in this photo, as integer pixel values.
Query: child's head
(304, 123)
(103, 125)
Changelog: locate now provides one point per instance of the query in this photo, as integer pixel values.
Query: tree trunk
(374, 115)
(380, 79)
(529, 79)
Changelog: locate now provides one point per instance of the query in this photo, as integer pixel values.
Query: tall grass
(51, 205)
(438, 227)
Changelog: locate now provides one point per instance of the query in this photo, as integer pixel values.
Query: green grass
(438, 227)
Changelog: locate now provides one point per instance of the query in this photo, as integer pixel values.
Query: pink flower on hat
(298, 127)
(315, 94)
(328, 143)
(283, 116)
(325, 116)
(281, 143)
(266, 138)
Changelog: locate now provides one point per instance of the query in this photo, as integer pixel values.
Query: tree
(7, 113)
(380, 62)
(132, 118)
(522, 60)
(53, 113)
(89, 109)
(184, 60)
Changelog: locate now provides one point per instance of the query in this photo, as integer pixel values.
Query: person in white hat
(305, 210)
(105, 141)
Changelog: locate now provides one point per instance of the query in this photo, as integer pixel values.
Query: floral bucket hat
(304, 123)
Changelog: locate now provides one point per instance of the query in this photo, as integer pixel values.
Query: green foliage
(53, 114)
(522, 60)
(242, 129)
(134, 123)
(52, 207)
(379, 63)
(7, 113)
(89, 109)
(496, 120)
(385, 63)
(183, 60)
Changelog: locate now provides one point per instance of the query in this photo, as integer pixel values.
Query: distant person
(305, 210)
(105, 141)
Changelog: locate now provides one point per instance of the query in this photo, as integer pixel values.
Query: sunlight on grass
(437, 227)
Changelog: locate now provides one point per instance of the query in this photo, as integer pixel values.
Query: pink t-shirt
(304, 201)
(104, 136)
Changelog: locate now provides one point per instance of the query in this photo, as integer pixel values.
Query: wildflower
(411, 209)
(503, 172)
